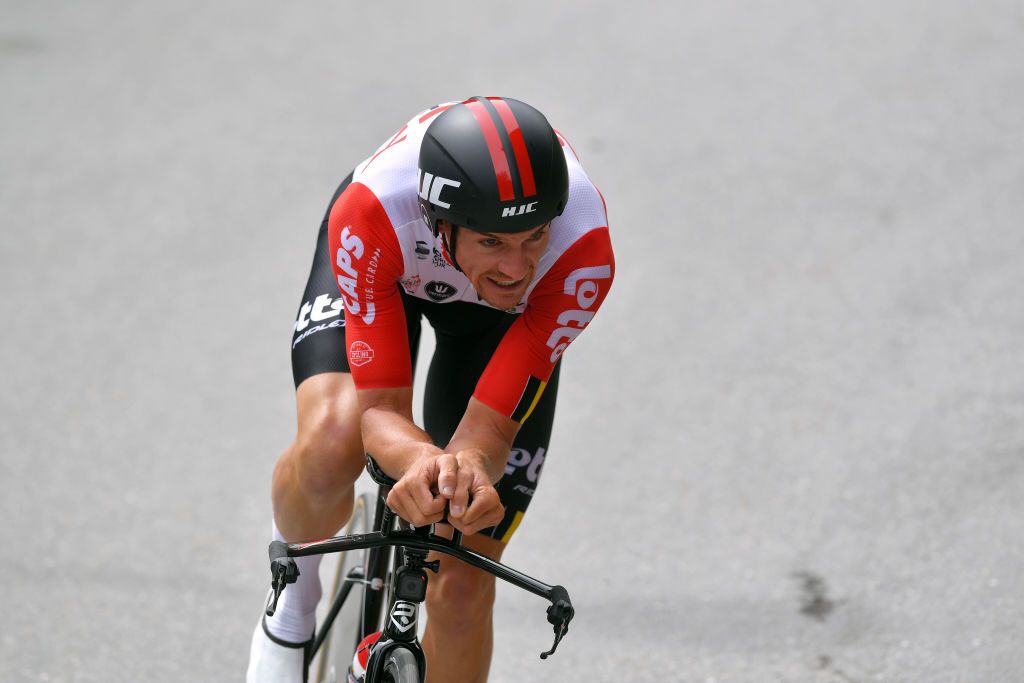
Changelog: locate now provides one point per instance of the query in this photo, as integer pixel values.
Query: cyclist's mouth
(507, 285)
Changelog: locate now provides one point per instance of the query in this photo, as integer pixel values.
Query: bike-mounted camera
(410, 590)
(411, 585)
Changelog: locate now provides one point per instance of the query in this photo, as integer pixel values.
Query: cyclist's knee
(460, 594)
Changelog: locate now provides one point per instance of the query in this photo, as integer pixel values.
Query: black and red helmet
(492, 164)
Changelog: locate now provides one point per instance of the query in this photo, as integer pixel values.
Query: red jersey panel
(367, 262)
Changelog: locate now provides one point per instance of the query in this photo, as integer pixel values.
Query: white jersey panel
(391, 173)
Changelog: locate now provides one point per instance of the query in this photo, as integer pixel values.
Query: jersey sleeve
(560, 307)
(367, 262)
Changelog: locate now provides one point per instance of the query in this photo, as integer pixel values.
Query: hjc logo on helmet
(431, 186)
(518, 210)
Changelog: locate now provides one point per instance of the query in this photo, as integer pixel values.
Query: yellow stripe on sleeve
(512, 527)
(536, 400)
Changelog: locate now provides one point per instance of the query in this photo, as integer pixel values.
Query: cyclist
(478, 216)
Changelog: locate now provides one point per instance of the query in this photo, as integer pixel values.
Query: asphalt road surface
(789, 448)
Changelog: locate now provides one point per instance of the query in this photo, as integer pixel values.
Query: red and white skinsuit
(379, 241)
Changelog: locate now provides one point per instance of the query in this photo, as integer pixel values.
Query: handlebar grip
(558, 593)
(277, 550)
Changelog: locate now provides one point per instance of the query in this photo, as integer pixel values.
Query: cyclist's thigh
(318, 336)
(458, 362)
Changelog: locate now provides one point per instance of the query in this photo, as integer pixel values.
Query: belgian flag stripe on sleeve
(528, 401)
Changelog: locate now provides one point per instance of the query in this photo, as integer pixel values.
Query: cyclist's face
(500, 265)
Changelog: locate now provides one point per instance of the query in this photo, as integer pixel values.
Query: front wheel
(401, 667)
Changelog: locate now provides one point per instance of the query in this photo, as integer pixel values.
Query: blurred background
(789, 448)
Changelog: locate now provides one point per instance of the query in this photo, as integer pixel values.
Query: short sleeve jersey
(379, 242)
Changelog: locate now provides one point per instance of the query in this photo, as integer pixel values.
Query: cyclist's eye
(538, 236)
(490, 242)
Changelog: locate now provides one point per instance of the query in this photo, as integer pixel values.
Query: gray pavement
(790, 447)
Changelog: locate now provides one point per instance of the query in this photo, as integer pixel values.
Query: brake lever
(559, 632)
(559, 615)
(283, 570)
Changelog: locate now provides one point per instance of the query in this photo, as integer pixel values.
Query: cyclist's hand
(474, 501)
(413, 497)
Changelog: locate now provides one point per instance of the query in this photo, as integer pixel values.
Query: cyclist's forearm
(487, 432)
(389, 433)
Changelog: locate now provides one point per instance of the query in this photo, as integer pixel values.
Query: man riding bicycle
(478, 216)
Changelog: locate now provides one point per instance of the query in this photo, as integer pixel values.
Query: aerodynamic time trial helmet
(491, 164)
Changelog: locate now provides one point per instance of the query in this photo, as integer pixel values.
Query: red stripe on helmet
(497, 150)
(515, 135)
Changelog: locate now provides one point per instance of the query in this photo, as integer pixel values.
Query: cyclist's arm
(396, 442)
(486, 434)
(389, 432)
(428, 476)
(367, 262)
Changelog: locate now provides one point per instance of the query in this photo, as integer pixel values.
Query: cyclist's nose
(514, 264)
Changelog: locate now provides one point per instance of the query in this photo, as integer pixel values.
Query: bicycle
(392, 571)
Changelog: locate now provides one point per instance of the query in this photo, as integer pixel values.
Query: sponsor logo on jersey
(322, 308)
(360, 353)
(439, 260)
(530, 463)
(431, 186)
(411, 283)
(581, 283)
(403, 615)
(350, 249)
(319, 328)
(439, 291)
(518, 210)
(422, 252)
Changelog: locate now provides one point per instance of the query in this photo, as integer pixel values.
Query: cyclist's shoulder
(580, 243)
(394, 162)
(385, 184)
(586, 255)
(580, 234)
